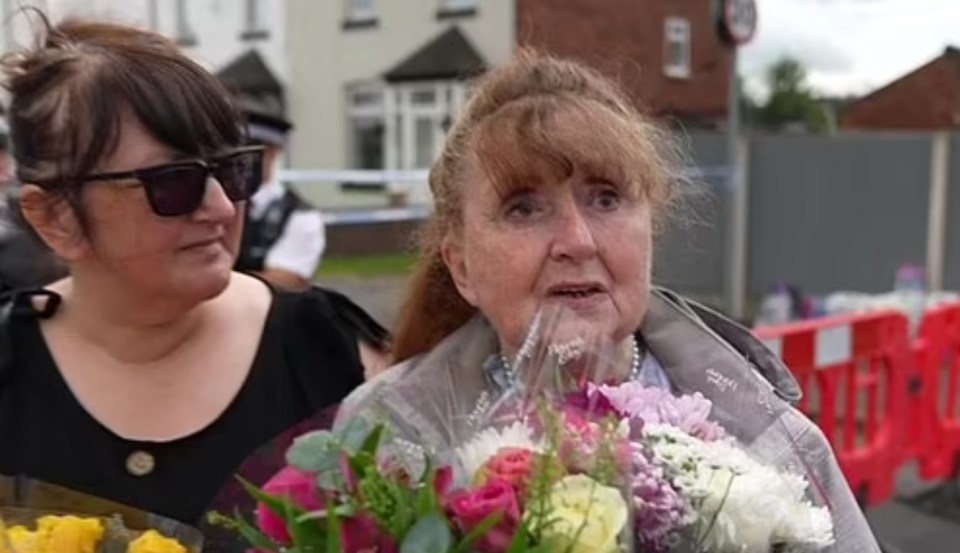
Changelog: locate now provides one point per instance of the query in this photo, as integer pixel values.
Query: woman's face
(187, 258)
(582, 245)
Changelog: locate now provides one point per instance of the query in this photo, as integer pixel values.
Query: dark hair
(70, 92)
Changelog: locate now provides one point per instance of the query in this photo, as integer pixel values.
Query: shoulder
(765, 363)
(360, 402)
(320, 316)
(295, 201)
(318, 333)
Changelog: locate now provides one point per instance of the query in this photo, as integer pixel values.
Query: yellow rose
(23, 540)
(69, 534)
(152, 541)
(585, 517)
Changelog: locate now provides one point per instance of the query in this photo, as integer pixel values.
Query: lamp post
(736, 25)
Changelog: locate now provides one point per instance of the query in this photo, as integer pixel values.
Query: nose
(573, 238)
(216, 206)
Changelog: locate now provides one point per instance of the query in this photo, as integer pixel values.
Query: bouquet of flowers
(569, 456)
(37, 517)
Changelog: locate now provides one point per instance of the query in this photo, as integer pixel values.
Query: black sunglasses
(178, 188)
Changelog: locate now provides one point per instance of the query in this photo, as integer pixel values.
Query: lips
(202, 243)
(575, 290)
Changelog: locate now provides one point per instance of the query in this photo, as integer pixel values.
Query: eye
(522, 207)
(605, 198)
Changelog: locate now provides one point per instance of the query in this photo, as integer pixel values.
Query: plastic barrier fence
(854, 374)
(934, 432)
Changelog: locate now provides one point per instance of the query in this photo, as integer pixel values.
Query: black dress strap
(20, 303)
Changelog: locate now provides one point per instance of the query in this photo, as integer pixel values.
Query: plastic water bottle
(776, 307)
(911, 288)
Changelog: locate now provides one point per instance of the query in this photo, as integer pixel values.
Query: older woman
(547, 194)
(150, 374)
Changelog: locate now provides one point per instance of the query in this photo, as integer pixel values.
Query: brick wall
(371, 238)
(625, 39)
(926, 99)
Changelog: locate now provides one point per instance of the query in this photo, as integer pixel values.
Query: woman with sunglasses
(153, 372)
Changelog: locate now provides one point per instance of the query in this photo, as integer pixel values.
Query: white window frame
(185, 34)
(253, 17)
(676, 30)
(449, 97)
(375, 110)
(458, 5)
(355, 12)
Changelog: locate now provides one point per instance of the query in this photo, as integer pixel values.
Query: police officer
(284, 236)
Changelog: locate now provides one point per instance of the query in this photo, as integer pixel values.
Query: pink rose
(580, 441)
(361, 533)
(443, 481)
(512, 465)
(298, 487)
(469, 508)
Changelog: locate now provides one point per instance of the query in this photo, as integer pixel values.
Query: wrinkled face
(583, 245)
(187, 258)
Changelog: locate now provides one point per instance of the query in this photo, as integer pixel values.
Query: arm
(293, 260)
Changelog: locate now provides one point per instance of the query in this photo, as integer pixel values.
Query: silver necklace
(564, 355)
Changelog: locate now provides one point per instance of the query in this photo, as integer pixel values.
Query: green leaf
(429, 535)
(334, 530)
(372, 443)
(478, 532)
(342, 511)
(308, 536)
(314, 452)
(278, 505)
(427, 501)
(354, 434)
(252, 534)
(330, 480)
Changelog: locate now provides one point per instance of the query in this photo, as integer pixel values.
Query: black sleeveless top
(307, 362)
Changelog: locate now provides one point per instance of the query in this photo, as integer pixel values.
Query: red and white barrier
(935, 405)
(853, 372)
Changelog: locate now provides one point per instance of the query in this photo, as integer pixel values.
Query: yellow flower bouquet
(36, 517)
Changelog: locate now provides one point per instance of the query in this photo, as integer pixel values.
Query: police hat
(265, 124)
(266, 129)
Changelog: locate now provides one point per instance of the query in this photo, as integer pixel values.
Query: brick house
(667, 53)
(925, 99)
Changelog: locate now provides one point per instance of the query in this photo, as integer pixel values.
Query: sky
(850, 46)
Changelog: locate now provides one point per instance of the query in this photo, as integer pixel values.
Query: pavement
(922, 518)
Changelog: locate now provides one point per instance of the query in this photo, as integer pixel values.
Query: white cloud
(851, 46)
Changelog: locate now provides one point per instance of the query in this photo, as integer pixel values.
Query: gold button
(140, 463)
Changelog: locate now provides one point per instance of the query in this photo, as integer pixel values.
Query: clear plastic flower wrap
(38, 517)
(562, 448)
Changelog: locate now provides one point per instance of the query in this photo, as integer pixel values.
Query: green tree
(792, 103)
(748, 104)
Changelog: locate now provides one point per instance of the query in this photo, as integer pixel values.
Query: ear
(452, 252)
(55, 221)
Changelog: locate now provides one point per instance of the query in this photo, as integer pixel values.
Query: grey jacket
(429, 399)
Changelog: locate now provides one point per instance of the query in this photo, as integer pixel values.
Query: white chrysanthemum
(486, 443)
(758, 505)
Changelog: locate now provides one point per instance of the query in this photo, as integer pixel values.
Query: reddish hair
(529, 123)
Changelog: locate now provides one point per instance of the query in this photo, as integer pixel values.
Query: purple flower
(661, 511)
(598, 406)
(689, 413)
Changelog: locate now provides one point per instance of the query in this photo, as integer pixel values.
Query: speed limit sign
(737, 20)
